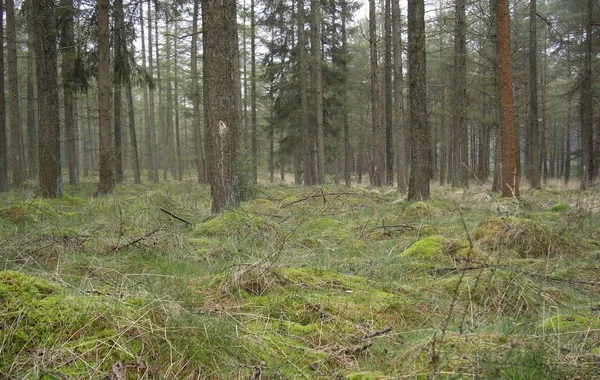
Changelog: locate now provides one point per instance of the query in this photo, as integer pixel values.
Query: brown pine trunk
(360, 165)
(460, 170)
(32, 133)
(107, 180)
(117, 130)
(17, 156)
(152, 124)
(253, 92)
(586, 104)
(67, 45)
(377, 168)
(3, 135)
(170, 154)
(401, 151)
(222, 100)
(567, 169)
(534, 148)
(197, 123)
(510, 184)
(544, 150)
(177, 121)
(47, 83)
(347, 147)
(389, 112)
(315, 46)
(148, 120)
(304, 128)
(132, 136)
(418, 187)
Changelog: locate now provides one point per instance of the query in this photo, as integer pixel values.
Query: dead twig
(175, 216)
(135, 241)
(375, 333)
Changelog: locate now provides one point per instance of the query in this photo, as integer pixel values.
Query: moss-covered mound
(526, 237)
(67, 336)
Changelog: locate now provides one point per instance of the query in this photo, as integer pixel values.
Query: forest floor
(333, 283)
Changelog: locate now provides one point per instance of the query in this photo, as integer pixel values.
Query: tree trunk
(148, 119)
(401, 154)
(222, 100)
(47, 84)
(253, 92)
(567, 169)
(152, 124)
(3, 136)
(132, 136)
(510, 184)
(389, 114)
(117, 125)
(32, 133)
(534, 149)
(360, 165)
(377, 169)
(176, 95)
(107, 180)
(67, 45)
(586, 104)
(345, 110)
(17, 157)
(418, 187)
(302, 74)
(544, 147)
(200, 168)
(460, 172)
(315, 45)
(170, 154)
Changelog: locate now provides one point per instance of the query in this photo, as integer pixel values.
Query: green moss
(421, 209)
(527, 237)
(426, 248)
(228, 223)
(325, 228)
(569, 322)
(559, 208)
(38, 316)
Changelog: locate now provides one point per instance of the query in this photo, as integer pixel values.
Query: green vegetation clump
(526, 237)
(72, 334)
(559, 208)
(231, 222)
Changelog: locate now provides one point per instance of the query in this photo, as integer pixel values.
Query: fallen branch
(396, 227)
(357, 350)
(175, 216)
(375, 333)
(137, 240)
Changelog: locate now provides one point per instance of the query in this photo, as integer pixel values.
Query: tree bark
(170, 154)
(401, 154)
(67, 45)
(107, 179)
(345, 110)
(176, 109)
(586, 104)
(253, 91)
(510, 184)
(533, 139)
(148, 120)
(132, 136)
(32, 132)
(117, 130)
(17, 157)
(315, 45)
(152, 124)
(418, 187)
(222, 100)
(47, 84)
(3, 135)
(460, 172)
(199, 144)
(302, 77)
(378, 165)
(388, 88)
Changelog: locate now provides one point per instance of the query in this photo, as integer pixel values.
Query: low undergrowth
(299, 283)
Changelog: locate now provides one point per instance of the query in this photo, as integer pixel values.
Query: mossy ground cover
(299, 283)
